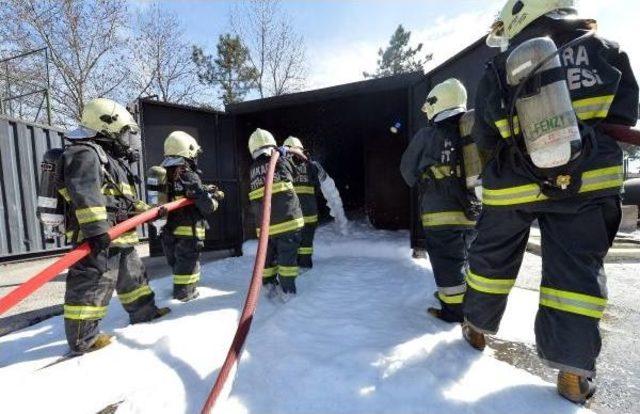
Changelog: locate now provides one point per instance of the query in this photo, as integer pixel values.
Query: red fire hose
(79, 253)
(252, 296)
(622, 133)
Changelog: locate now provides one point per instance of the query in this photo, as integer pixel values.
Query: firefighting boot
(288, 285)
(575, 388)
(445, 315)
(160, 312)
(473, 337)
(270, 288)
(194, 294)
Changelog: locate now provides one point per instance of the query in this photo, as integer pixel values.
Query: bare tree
(277, 51)
(86, 45)
(163, 63)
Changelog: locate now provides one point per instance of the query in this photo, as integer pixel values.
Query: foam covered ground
(355, 340)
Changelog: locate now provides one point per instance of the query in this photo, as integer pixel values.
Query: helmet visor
(497, 36)
(81, 133)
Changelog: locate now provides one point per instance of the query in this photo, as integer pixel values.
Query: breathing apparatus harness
(555, 183)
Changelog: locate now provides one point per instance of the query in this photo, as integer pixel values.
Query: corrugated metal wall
(21, 148)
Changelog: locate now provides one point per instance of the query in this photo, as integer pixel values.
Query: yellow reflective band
(591, 108)
(123, 188)
(127, 238)
(126, 298)
(305, 250)
(288, 271)
(503, 127)
(571, 302)
(446, 218)
(305, 189)
(451, 300)
(186, 279)
(91, 214)
(187, 231)
(593, 180)
(269, 272)
(603, 178)
(64, 192)
(285, 227)
(310, 219)
(441, 171)
(492, 286)
(84, 313)
(277, 188)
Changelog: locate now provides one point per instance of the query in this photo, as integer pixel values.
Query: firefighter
(183, 234)
(287, 221)
(538, 110)
(306, 184)
(99, 189)
(434, 161)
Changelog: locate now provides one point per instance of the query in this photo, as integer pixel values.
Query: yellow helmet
(293, 142)
(181, 144)
(105, 117)
(261, 138)
(446, 99)
(518, 14)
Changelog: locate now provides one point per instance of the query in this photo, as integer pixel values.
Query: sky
(342, 36)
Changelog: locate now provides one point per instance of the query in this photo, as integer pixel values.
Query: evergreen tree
(399, 57)
(231, 69)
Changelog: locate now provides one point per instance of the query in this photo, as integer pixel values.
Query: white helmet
(105, 117)
(518, 14)
(445, 100)
(260, 139)
(181, 144)
(293, 142)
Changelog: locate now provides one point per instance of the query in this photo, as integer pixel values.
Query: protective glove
(100, 242)
(283, 151)
(162, 213)
(140, 206)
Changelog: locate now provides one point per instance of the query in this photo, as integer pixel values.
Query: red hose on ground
(252, 296)
(27, 288)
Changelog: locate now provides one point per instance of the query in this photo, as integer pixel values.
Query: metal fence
(22, 146)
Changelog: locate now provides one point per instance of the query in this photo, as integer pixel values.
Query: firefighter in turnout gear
(572, 190)
(434, 161)
(100, 191)
(306, 184)
(184, 232)
(287, 221)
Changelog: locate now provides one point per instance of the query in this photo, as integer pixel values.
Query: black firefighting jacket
(603, 89)
(286, 213)
(100, 191)
(433, 160)
(306, 184)
(188, 222)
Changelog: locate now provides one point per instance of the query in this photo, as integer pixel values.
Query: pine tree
(399, 57)
(231, 70)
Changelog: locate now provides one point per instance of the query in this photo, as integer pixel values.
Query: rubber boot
(189, 297)
(101, 341)
(575, 388)
(160, 312)
(270, 288)
(445, 315)
(474, 338)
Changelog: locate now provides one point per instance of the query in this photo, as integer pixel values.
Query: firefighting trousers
(183, 255)
(89, 288)
(305, 252)
(573, 294)
(448, 253)
(281, 264)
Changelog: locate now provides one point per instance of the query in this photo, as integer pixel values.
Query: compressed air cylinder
(545, 112)
(470, 154)
(50, 208)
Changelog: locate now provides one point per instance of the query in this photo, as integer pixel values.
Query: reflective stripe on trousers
(84, 312)
(285, 227)
(446, 218)
(572, 302)
(492, 286)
